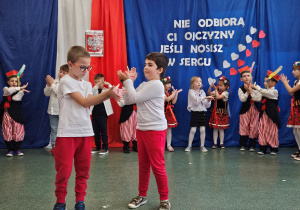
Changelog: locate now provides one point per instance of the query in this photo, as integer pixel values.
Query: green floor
(219, 179)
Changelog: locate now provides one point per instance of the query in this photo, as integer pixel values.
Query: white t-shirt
(149, 98)
(74, 119)
(51, 91)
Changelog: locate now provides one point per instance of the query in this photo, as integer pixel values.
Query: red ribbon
(7, 105)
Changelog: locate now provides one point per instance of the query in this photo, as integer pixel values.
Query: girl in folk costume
(170, 99)
(11, 113)
(269, 121)
(294, 118)
(219, 119)
(198, 103)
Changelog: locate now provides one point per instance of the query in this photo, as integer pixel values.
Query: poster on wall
(94, 40)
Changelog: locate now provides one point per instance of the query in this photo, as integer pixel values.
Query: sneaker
(19, 153)
(103, 152)
(165, 205)
(137, 202)
(251, 149)
(80, 205)
(297, 157)
(261, 153)
(60, 206)
(273, 153)
(10, 154)
(203, 149)
(49, 146)
(295, 154)
(214, 146)
(242, 149)
(188, 149)
(222, 146)
(95, 150)
(170, 148)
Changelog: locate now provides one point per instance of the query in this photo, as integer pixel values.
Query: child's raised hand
(24, 86)
(283, 78)
(113, 92)
(178, 91)
(133, 74)
(123, 75)
(24, 90)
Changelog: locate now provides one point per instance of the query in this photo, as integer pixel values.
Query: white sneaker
(203, 149)
(188, 149)
(49, 146)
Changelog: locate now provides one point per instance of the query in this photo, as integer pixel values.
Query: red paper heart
(261, 34)
(255, 43)
(248, 52)
(233, 71)
(240, 63)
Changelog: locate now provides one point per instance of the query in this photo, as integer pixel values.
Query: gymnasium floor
(218, 179)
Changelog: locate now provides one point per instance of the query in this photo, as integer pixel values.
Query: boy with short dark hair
(75, 132)
(11, 114)
(100, 113)
(53, 110)
(249, 114)
(149, 98)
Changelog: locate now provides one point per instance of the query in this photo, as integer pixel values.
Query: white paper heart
(253, 30)
(226, 64)
(241, 47)
(211, 80)
(217, 73)
(234, 56)
(248, 39)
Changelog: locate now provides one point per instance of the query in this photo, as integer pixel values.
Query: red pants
(268, 132)
(249, 123)
(66, 150)
(151, 149)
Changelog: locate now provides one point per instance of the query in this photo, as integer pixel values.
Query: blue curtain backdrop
(28, 31)
(152, 24)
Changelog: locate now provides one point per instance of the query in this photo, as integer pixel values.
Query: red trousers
(66, 150)
(151, 149)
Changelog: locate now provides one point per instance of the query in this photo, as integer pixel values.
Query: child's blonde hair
(193, 79)
(77, 52)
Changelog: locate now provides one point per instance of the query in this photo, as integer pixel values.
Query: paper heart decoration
(217, 73)
(211, 81)
(248, 52)
(241, 47)
(255, 43)
(240, 63)
(248, 39)
(226, 64)
(253, 30)
(261, 34)
(233, 71)
(234, 56)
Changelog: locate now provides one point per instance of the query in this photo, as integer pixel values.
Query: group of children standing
(149, 108)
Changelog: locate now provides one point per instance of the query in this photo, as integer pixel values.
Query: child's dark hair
(244, 72)
(160, 60)
(77, 52)
(12, 76)
(64, 68)
(272, 79)
(99, 76)
(225, 81)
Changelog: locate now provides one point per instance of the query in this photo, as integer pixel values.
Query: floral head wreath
(297, 64)
(166, 80)
(225, 80)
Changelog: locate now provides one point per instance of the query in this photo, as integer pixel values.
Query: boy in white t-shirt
(53, 109)
(75, 132)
